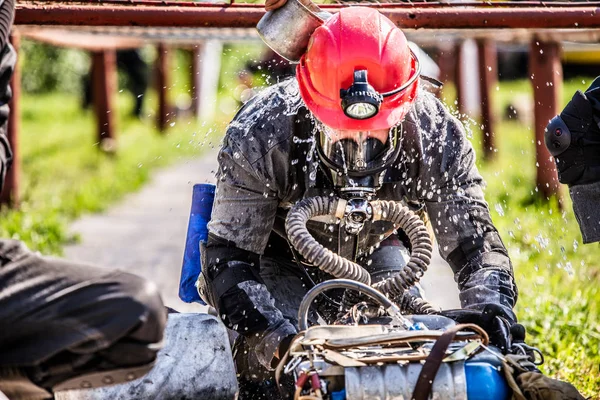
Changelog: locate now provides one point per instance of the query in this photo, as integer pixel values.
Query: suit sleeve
(451, 187)
(8, 59)
(243, 214)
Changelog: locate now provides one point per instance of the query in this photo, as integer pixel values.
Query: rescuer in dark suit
(573, 138)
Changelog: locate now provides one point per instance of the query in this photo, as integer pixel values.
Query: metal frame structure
(533, 21)
(487, 15)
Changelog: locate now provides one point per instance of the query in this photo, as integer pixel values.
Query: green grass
(64, 174)
(558, 276)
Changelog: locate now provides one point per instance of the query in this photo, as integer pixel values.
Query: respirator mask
(357, 160)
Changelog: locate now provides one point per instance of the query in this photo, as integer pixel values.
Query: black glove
(573, 138)
(492, 320)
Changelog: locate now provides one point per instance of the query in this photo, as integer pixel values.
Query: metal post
(197, 52)
(162, 83)
(104, 85)
(10, 192)
(488, 75)
(446, 61)
(546, 73)
(459, 81)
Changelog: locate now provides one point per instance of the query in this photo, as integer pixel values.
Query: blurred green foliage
(47, 68)
(63, 172)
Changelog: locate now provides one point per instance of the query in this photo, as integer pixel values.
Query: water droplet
(499, 209)
(542, 241)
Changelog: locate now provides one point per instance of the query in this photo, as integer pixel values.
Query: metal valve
(358, 210)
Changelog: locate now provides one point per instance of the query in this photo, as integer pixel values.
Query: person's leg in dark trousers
(61, 320)
(287, 286)
(132, 63)
(390, 257)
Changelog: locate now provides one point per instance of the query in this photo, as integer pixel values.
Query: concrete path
(145, 235)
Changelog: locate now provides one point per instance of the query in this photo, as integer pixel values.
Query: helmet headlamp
(362, 101)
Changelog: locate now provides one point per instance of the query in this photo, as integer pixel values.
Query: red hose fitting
(315, 382)
(302, 380)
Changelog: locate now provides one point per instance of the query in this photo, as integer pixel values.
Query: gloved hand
(573, 138)
(492, 320)
(282, 349)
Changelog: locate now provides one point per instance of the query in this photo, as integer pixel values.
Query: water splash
(542, 241)
(499, 209)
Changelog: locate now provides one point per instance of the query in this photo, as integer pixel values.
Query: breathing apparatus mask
(357, 160)
(359, 78)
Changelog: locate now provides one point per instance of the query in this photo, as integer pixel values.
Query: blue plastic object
(202, 201)
(341, 395)
(485, 381)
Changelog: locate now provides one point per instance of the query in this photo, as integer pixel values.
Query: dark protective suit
(268, 162)
(573, 138)
(59, 319)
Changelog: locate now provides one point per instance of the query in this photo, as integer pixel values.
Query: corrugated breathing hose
(420, 256)
(402, 218)
(7, 16)
(313, 251)
(411, 304)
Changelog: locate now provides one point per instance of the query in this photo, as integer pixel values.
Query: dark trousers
(59, 319)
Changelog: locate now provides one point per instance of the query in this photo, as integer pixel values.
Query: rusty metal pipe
(163, 83)
(246, 17)
(546, 79)
(104, 87)
(488, 79)
(411, 5)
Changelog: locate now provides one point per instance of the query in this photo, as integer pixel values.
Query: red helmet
(358, 49)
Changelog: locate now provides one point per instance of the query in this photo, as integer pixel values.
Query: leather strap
(434, 360)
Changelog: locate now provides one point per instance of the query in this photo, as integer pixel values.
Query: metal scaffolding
(415, 15)
(101, 26)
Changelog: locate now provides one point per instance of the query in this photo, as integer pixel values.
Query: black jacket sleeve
(451, 187)
(7, 64)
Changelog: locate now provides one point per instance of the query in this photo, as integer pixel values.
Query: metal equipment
(387, 357)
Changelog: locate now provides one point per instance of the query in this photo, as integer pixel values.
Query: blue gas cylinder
(202, 201)
(485, 381)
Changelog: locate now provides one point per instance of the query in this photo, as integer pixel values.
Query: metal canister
(287, 29)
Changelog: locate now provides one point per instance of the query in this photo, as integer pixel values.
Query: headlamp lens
(360, 100)
(361, 110)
